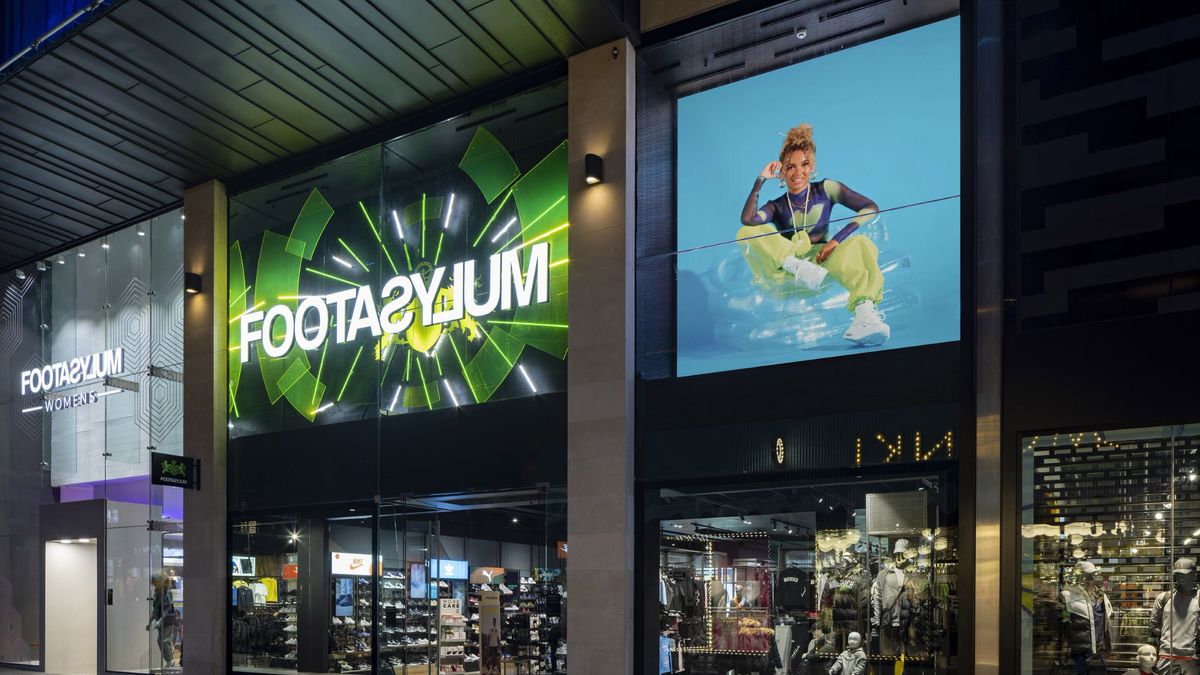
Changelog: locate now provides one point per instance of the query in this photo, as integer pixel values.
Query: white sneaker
(505, 590)
(807, 273)
(868, 328)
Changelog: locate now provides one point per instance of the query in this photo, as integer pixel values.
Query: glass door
(408, 592)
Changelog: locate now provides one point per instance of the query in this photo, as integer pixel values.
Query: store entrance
(71, 609)
(473, 583)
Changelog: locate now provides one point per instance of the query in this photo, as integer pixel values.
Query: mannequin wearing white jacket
(890, 601)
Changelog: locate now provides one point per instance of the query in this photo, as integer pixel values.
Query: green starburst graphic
(424, 367)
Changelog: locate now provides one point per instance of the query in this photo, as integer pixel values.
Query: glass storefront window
(265, 572)
(1109, 548)
(459, 583)
(803, 576)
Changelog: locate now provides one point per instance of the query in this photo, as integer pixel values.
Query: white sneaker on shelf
(868, 328)
(807, 273)
(505, 590)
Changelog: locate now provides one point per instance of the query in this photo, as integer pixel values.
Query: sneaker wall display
(351, 627)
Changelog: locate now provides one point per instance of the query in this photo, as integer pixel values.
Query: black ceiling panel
(114, 122)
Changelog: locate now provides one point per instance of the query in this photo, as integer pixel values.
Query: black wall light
(192, 282)
(593, 169)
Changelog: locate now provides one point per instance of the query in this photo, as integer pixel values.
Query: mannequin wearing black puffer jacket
(848, 593)
(1087, 618)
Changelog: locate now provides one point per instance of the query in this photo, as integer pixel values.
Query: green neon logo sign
(436, 328)
(170, 468)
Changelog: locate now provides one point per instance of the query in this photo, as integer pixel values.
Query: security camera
(801, 33)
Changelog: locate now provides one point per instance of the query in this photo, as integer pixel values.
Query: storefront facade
(93, 401)
(365, 425)
(800, 486)
(965, 431)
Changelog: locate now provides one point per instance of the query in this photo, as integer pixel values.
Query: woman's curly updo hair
(798, 138)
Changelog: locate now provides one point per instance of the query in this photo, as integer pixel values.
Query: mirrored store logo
(72, 373)
(437, 300)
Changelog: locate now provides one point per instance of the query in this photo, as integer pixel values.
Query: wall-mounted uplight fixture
(20, 273)
(192, 282)
(593, 169)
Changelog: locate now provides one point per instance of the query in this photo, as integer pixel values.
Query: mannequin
(1175, 622)
(717, 597)
(1088, 619)
(738, 601)
(889, 601)
(852, 661)
(1147, 656)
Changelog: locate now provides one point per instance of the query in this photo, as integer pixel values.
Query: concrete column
(314, 604)
(600, 512)
(205, 400)
(987, 624)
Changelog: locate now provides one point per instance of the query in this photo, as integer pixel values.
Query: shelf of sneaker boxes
(471, 662)
(392, 615)
(419, 628)
(286, 590)
(288, 611)
(528, 622)
(352, 634)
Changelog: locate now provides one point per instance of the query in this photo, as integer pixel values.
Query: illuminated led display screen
(428, 273)
(851, 242)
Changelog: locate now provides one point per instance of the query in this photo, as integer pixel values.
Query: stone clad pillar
(600, 371)
(205, 400)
